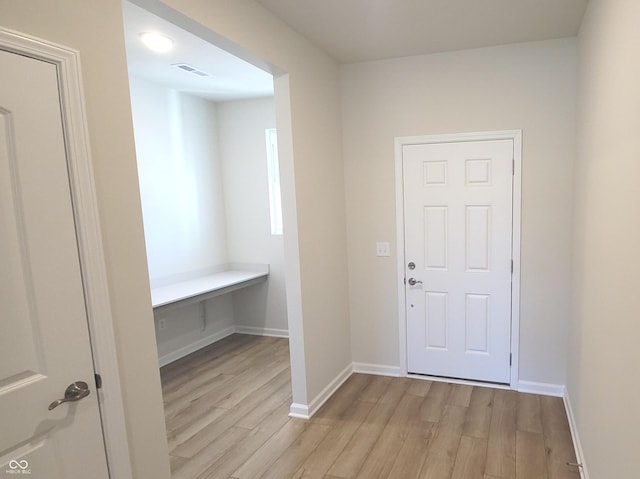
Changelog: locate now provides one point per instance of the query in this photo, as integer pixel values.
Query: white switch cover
(382, 249)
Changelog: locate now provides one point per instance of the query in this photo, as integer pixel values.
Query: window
(273, 171)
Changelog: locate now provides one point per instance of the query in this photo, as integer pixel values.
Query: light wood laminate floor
(226, 412)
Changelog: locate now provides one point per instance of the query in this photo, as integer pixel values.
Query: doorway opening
(458, 215)
(51, 128)
(203, 124)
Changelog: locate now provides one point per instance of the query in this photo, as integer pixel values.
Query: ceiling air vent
(190, 69)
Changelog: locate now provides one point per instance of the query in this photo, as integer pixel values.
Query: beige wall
(528, 86)
(603, 383)
(95, 29)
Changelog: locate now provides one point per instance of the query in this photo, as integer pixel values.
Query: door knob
(74, 392)
(413, 281)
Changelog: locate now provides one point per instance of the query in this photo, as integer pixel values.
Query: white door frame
(85, 211)
(516, 136)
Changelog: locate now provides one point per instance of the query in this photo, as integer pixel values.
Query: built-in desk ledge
(229, 278)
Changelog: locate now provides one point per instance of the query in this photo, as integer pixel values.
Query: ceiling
(350, 31)
(362, 30)
(229, 78)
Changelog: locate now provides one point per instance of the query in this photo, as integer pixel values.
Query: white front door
(44, 338)
(458, 229)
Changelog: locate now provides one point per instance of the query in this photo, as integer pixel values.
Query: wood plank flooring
(226, 409)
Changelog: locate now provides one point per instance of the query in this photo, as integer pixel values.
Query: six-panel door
(44, 337)
(458, 229)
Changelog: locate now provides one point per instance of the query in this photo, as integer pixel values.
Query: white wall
(205, 203)
(189, 328)
(183, 209)
(243, 153)
(180, 182)
(528, 86)
(603, 383)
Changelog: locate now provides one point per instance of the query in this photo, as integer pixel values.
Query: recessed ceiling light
(157, 42)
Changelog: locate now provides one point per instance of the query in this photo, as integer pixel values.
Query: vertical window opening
(273, 171)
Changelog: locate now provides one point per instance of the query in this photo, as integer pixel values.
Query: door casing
(85, 212)
(516, 137)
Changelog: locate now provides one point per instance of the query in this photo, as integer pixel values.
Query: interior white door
(44, 337)
(458, 230)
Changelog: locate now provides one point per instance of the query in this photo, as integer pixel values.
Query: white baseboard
(584, 473)
(545, 389)
(377, 369)
(277, 333)
(212, 338)
(302, 411)
(193, 347)
(299, 411)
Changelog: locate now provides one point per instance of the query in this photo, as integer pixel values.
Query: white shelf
(206, 287)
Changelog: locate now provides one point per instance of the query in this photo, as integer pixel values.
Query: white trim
(276, 333)
(515, 253)
(516, 137)
(378, 369)
(400, 258)
(303, 411)
(299, 411)
(545, 389)
(217, 336)
(573, 426)
(193, 347)
(89, 239)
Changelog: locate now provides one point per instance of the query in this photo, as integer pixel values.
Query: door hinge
(513, 167)
(510, 359)
(511, 266)
(98, 381)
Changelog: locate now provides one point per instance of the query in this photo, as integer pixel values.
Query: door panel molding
(85, 212)
(400, 142)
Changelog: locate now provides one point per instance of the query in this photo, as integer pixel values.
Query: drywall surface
(191, 327)
(310, 154)
(180, 182)
(241, 126)
(602, 383)
(529, 86)
(183, 145)
(314, 210)
(95, 30)
(179, 168)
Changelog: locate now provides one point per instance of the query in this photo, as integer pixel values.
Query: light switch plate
(383, 249)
